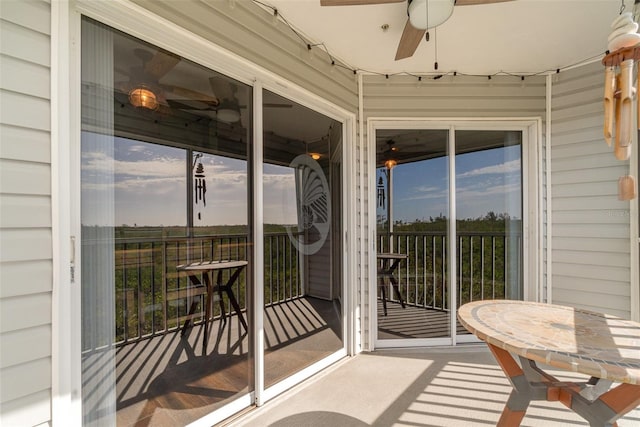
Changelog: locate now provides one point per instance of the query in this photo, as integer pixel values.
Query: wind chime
(619, 94)
(199, 183)
(381, 196)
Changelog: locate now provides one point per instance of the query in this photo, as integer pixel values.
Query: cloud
(502, 168)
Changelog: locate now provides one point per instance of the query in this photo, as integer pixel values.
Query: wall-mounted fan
(422, 15)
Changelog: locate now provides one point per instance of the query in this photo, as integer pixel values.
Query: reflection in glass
(164, 184)
(489, 215)
(303, 239)
(413, 206)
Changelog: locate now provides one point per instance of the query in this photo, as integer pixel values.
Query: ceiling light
(315, 156)
(425, 14)
(390, 163)
(228, 112)
(143, 97)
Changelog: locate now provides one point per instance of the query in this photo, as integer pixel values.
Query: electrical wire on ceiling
(332, 61)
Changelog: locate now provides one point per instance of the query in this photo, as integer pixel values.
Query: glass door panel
(165, 151)
(488, 215)
(302, 237)
(412, 199)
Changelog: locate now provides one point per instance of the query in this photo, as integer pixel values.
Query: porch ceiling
(522, 36)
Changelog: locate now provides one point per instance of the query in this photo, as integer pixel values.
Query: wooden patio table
(389, 262)
(605, 347)
(207, 268)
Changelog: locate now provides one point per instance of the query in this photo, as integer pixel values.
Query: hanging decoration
(199, 183)
(381, 195)
(619, 94)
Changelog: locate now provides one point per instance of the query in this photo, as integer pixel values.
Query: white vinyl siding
(590, 226)
(448, 97)
(25, 213)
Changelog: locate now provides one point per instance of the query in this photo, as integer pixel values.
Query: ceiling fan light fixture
(228, 115)
(228, 112)
(143, 97)
(438, 12)
(390, 163)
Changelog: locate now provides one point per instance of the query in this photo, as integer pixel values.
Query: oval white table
(604, 347)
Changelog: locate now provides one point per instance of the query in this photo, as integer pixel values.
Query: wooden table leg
(207, 312)
(520, 397)
(531, 383)
(232, 298)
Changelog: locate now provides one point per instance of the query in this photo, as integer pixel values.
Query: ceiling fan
(143, 86)
(422, 15)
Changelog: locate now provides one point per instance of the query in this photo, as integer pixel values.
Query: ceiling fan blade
(160, 64)
(356, 2)
(411, 38)
(191, 94)
(221, 88)
(474, 2)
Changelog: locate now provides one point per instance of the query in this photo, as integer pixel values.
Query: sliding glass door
(428, 265)
(169, 278)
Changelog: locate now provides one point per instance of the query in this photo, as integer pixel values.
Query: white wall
(25, 213)
(590, 226)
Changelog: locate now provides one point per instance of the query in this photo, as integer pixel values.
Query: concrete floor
(417, 387)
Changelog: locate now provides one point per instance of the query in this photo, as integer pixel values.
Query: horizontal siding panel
(17, 177)
(589, 203)
(23, 43)
(18, 143)
(25, 345)
(31, 410)
(404, 103)
(594, 217)
(25, 244)
(24, 77)
(12, 277)
(594, 275)
(578, 136)
(585, 161)
(589, 109)
(24, 312)
(585, 176)
(25, 379)
(25, 111)
(580, 100)
(32, 14)
(573, 80)
(17, 211)
(600, 302)
(561, 127)
(590, 258)
(603, 188)
(440, 90)
(606, 230)
(585, 146)
(603, 245)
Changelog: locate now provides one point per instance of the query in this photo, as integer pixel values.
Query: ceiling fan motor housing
(425, 14)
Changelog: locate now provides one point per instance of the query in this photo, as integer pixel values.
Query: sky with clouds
(138, 183)
(488, 180)
(146, 184)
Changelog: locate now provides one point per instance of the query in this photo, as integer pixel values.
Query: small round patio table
(606, 348)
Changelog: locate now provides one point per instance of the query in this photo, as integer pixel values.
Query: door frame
(139, 22)
(532, 204)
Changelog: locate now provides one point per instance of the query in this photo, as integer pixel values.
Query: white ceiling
(521, 37)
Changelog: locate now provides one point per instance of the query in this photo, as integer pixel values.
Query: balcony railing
(152, 298)
(489, 266)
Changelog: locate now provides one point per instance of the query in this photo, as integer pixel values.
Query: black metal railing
(152, 297)
(489, 266)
